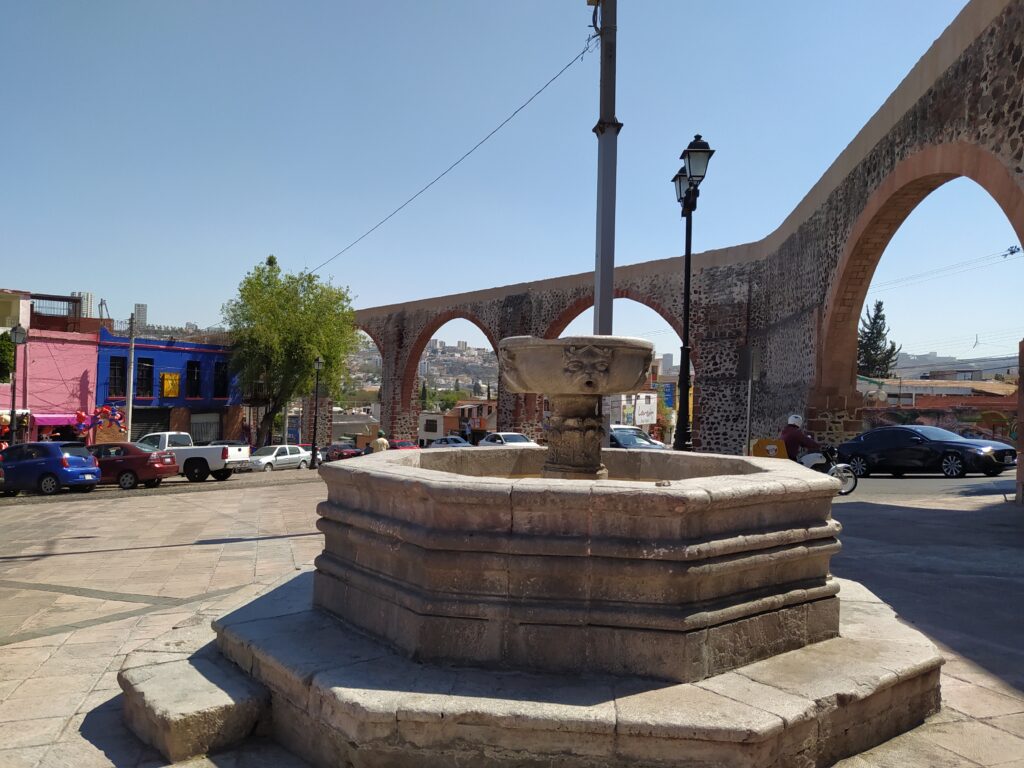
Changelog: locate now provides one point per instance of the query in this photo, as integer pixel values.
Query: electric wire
(578, 57)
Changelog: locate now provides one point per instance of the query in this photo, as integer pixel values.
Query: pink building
(56, 376)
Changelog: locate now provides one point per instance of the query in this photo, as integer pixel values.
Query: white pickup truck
(197, 462)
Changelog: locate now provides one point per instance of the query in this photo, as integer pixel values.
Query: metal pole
(131, 377)
(14, 396)
(316, 418)
(683, 437)
(607, 130)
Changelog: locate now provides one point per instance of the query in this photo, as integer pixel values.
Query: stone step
(340, 697)
(192, 706)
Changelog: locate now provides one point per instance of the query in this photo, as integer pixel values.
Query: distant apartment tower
(462, 345)
(666, 362)
(87, 303)
(141, 321)
(436, 345)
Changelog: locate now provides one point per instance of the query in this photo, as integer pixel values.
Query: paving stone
(974, 740)
(979, 702)
(30, 733)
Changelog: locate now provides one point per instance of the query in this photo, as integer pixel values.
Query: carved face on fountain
(587, 367)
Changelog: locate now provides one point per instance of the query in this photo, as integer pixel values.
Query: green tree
(876, 355)
(6, 356)
(279, 324)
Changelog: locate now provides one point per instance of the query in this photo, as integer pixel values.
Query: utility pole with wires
(130, 396)
(607, 130)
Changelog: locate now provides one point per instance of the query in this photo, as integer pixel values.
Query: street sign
(669, 393)
(646, 410)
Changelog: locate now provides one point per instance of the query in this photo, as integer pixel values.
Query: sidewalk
(83, 584)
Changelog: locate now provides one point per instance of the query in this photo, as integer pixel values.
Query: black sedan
(898, 450)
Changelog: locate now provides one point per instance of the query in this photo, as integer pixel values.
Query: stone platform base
(340, 698)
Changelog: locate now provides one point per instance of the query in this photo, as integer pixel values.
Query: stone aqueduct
(795, 295)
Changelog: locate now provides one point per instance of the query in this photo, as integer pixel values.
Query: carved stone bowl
(575, 365)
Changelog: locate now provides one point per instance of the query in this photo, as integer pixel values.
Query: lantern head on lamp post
(19, 336)
(318, 364)
(695, 166)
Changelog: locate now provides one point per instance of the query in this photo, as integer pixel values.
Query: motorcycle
(827, 461)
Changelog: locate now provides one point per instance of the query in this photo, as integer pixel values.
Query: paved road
(86, 579)
(169, 486)
(948, 555)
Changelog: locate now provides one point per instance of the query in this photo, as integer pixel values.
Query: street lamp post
(695, 165)
(317, 365)
(19, 336)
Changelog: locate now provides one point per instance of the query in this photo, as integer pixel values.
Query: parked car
(338, 451)
(126, 465)
(506, 440)
(307, 447)
(48, 467)
(633, 438)
(452, 441)
(197, 462)
(404, 445)
(635, 430)
(271, 457)
(898, 450)
(227, 442)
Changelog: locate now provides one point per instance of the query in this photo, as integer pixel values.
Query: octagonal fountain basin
(677, 566)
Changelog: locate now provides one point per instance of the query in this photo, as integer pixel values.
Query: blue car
(47, 467)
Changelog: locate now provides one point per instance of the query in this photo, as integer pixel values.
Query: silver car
(271, 457)
(452, 441)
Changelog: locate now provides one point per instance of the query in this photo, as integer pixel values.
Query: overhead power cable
(591, 42)
(1011, 253)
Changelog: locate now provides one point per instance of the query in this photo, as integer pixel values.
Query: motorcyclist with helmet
(795, 438)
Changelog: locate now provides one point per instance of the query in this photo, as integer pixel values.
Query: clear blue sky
(154, 152)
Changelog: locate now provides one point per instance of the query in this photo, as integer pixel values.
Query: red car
(404, 445)
(338, 451)
(126, 465)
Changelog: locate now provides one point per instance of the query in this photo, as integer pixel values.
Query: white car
(506, 440)
(271, 457)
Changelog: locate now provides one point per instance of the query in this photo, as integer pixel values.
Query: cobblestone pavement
(85, 580)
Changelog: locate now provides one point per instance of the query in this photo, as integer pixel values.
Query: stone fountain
(566, 606)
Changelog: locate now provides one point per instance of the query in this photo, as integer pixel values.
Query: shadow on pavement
(957, 575)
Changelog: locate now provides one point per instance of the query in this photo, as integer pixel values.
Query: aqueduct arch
(909, 183)
(794, 294)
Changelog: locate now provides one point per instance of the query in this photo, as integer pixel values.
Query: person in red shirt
(795, 438)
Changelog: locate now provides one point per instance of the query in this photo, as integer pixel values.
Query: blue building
(179, 385)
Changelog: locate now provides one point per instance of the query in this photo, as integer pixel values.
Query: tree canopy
(876, 355)
(280, 323)
(6, 356)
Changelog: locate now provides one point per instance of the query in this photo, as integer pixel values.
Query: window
(430, 425)
(118, 377)
(220, 379)
(144, 377)
(178, 440)
(293, 450)
(150, 441)
(193, 379)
